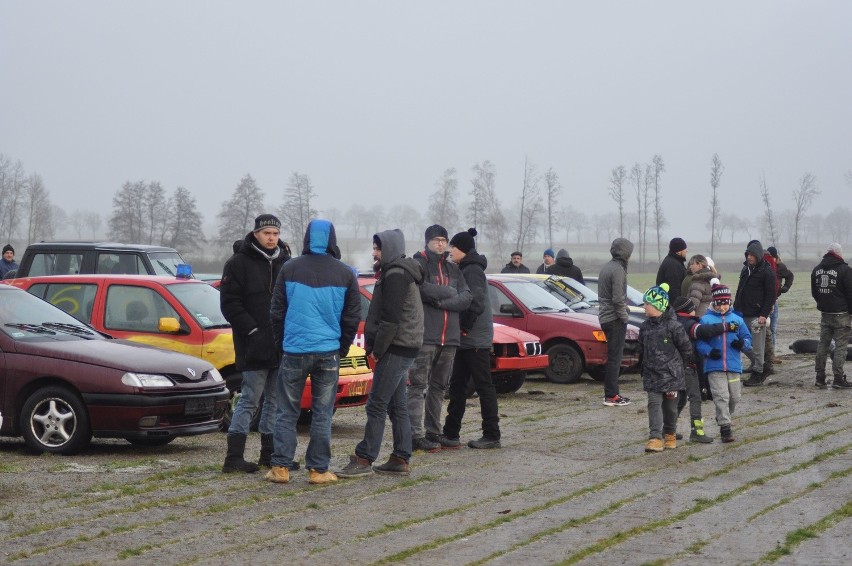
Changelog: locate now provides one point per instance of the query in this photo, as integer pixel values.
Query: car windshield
(165, 263)
(586, 293)
(24, 316)
(634, 296)
(202, 302)
(561, 289)
(534, 297)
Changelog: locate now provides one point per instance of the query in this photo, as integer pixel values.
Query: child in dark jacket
(722, 358)
(665, 350)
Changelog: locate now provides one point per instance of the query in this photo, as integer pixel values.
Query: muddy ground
(572, 484)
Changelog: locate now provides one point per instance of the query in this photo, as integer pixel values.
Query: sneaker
(671, 441)
(697, 434)
(616, 401)
(317, 477)
(278, 474)
(727, 433)
(356, 468)
(425, 444)
(654, 445)
(757, 378)
(484, 443)
(841, 383)
(446, 442)
(820, 382)
(395, 466)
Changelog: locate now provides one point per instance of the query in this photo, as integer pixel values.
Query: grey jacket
(612, 283)
(445, 294)
(395, 319)
(476, 322)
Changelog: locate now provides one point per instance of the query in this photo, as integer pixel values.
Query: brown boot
(394, 466)
(671, 441)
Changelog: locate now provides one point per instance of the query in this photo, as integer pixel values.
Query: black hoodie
(564, 267)
(831, 285)
(756, 288)
(477, 321)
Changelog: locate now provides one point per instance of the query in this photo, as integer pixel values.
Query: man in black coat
(515, 265)
(831, 288)
(246, 294)
(673, 268)
(755, 300)
(564, 267)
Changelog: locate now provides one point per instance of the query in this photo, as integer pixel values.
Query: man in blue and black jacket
(316, 308)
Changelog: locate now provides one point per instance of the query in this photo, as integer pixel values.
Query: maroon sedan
(61, 383)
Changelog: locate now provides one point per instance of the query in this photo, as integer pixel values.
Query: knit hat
(464, 240)
(833, 248)
(519, 254)
(721, 294)
(683, 304)
(8, 248)
(549, 252)
(436, 231)
(677, 245)
(773, 251)
(657, 297)
(266, 221)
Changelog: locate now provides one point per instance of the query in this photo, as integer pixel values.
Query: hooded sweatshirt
(445, 294)
(756, 290)
(612, 283)
(564, 266)
(831, 285)
(395, 320)
(477, 320)
(316, 305)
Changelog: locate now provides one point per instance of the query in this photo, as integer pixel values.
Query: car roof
(95, 277)
(87, 245)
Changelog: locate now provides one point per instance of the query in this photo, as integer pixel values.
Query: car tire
(566, 364)
(54, 419)
(508, 382)
(598, 373)
(150, 441)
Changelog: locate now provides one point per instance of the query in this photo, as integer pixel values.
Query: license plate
(199, 406)
(358, 388)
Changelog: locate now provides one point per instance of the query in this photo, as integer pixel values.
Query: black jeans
(615, 332)
(472, 364)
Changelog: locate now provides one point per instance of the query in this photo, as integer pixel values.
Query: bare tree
(767, 209)
(409, 221)
(236, 215)
(377, 219)
(656, 170)
(37, 210)
(482, 191)
(838, 223)
(552, 191)
(356, 215)
(641, 206)
(616, 192)
(443, 202)
(155, 213)
(716, 170)
(803, 197)
(297, 210)
(94, 222)
(575, 221)
(183, 223)
(128, 220)
(530, 206)
(12, 187)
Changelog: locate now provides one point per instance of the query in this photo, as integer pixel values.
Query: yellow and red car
(175, 314)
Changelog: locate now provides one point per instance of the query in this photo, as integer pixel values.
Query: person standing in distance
(754, 301)
(612, 294)
(515, 265)
(245, 296)
(672, 269)
(831, 288)
(547, 261)
(315, 311)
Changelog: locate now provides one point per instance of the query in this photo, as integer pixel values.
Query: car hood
(506, 334)
(118, 354)
(576, 317)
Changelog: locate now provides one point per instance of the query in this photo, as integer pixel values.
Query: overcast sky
(374, 100)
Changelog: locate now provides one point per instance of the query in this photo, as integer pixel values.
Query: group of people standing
(561, 265)
(429, 324)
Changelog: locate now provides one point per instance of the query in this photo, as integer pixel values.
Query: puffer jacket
(445, 294)
(612, 283)
(665, 349)
(730, 356)
(245, 295)
(700, 290)
(564, 266)
(756, 290)
(395, 320)
(316, 305)
(672, 271)
(831, 285)
(477, 320)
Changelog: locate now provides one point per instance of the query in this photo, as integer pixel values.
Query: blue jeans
(255, 383)
(324, 369)
(388, 398)
(774, 325)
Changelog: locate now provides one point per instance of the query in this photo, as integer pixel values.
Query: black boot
(266, 448)
(820, 381)
(234, 461)
(726, 433)
(757, 378)
(768, 369)
(697, 434)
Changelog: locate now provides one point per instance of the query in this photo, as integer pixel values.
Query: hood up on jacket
(622, 249)
(562, 258)
(392, 244)
(320, 238)
(756, 249)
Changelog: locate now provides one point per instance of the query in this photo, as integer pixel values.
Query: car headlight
(216, 376)
(146, 380)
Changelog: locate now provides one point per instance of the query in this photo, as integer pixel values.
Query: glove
(732, 326)
(715, 354)
(737, 344)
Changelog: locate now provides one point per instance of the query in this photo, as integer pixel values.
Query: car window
(202, 302)
(76, 299)
(55, 264)
(135, 309)
(498, 298)
(534, 297)
(25, 317)
(119, 263)
(165, 263)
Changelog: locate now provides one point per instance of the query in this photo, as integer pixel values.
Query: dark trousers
(472, 364)
(615, 332)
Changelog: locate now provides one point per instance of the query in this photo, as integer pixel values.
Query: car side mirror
(168, 325)
(511, 309)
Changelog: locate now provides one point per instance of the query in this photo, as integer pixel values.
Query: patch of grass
(800, 535)
(10, 468)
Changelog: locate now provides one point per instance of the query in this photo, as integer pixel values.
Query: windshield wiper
(214, 326)
(543, 309)
(34, 328)
(69, 328)
(166, 267)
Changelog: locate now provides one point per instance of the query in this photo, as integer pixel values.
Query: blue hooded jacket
(730, 360)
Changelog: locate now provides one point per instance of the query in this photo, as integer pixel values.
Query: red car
(513, 353)
(62, 383)
(176, 314)
(573, 341)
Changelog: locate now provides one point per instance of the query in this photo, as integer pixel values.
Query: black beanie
(464, 240)
(8, 248)
(773, 251)
(683, 304)
(436, 231)
(266, 221)
(677, 245)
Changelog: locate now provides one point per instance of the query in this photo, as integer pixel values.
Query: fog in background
(375, 100)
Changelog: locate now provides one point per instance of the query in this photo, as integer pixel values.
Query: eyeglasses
(439, 240)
